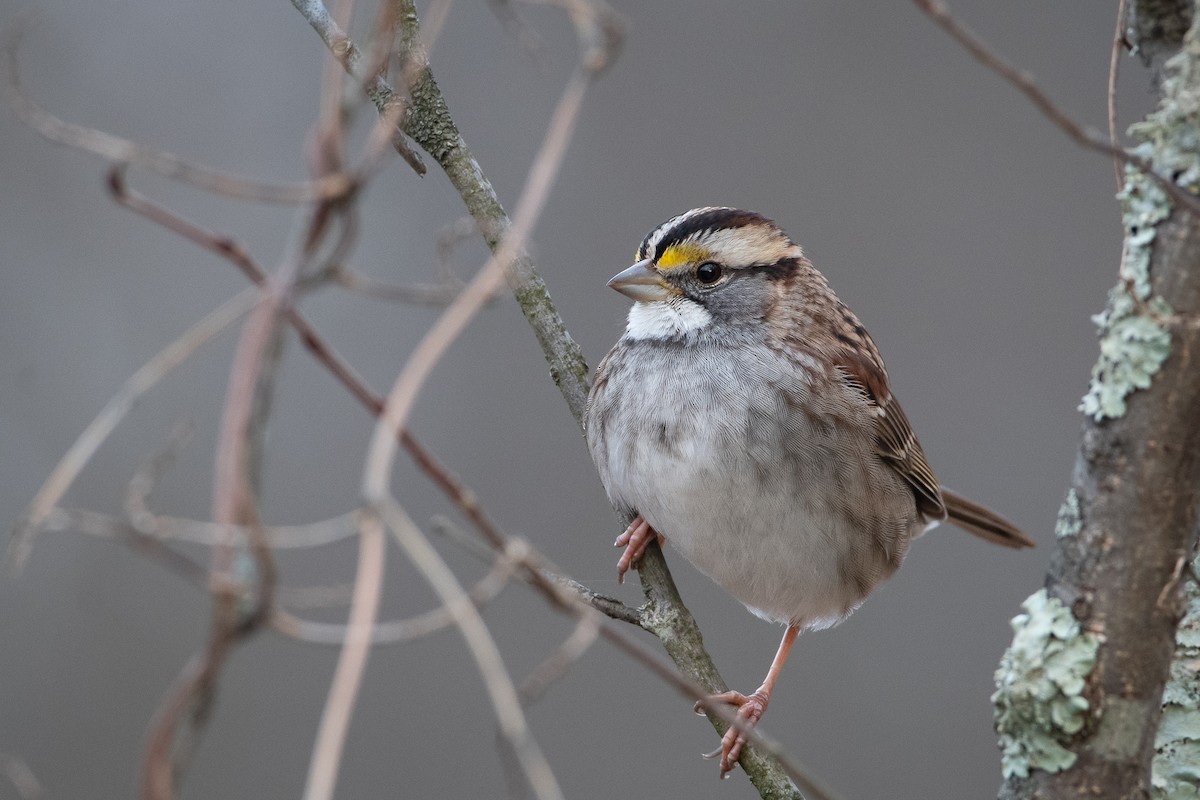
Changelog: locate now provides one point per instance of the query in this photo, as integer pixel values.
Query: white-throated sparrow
(745, 415)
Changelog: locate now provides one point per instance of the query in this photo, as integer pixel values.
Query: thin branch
(455, 318)
(545, 674)
(352, 662)
(350, 57)
(149, 538)
(325, 354)
(169, 165)
(538, 575)
(23, 781)
(141, 485)
(94, 435)
(441, 293)
(105, 526)
(1114, 61)
(398, 631)
(161, 527)
(234, 502)
(430, 125)
(420, 294)
(1024, 83)
(380, 457)
(475, 633)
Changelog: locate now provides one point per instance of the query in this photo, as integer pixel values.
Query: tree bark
(1128, 528)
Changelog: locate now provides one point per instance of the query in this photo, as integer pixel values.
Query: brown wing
(898, 445)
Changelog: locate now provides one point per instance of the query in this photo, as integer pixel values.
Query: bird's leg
(749, 709)
(635, 540)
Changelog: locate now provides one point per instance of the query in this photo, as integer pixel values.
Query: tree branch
(1098, 642)
(1083, 136)
(429, 124)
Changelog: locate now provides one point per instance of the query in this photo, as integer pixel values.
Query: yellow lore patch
(676, 254)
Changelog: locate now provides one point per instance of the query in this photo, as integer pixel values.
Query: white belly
(752, 492)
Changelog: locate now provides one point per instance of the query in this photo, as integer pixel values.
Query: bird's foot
(749, 712)
(635, 540)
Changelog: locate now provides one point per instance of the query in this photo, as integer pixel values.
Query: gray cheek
(743, 298)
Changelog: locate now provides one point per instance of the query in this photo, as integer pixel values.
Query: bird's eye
(708, 272)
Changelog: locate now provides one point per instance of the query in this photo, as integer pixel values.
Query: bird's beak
(641, 282)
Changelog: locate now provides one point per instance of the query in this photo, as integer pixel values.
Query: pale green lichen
(1134, 342)
(1176, 769)
(1039, 700)
(1070, 520)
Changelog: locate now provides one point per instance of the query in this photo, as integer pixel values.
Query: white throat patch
(666, 319)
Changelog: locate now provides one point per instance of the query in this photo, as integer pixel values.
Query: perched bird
(745, 416)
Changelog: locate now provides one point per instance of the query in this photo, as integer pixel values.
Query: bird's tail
(976, 519)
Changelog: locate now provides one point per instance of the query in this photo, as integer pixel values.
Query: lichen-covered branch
(430, 125)
(1094, 649)
(1176, 769)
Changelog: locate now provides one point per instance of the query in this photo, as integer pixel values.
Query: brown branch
(352, 663)
(243, 422)
(163, 528)
(23, 781)
(429, 124)
(404, 630)
(1136, 478)
(537, 574)
(419, 294)
(1114, 60)
(169, 165)
(1131, 522)
(555, 666)
(100, 428)
(1024, 83)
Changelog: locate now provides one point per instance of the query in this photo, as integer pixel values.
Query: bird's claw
(749, 710)
(635, 540)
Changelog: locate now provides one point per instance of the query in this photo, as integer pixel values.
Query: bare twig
(77, 457)
(1114, 60)
(397, 631)
(148, 474)
(433, 128)
(229, 249)
(386, 101)
(165, 528)
(380, 457)
(455, 318)
(150, 535)
(234, 501)
(536, 684)
(475, 633)
(420, 294)
(335, 719)
(440, 293)
(1024, 83)
(539, 575)
(104, 526)
(23, 781)
(169, 165)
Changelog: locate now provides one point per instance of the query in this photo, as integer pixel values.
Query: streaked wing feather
(898, 445)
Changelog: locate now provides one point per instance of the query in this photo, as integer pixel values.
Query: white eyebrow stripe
(750, 245)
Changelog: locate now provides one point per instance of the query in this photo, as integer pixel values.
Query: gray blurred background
(970, 236)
